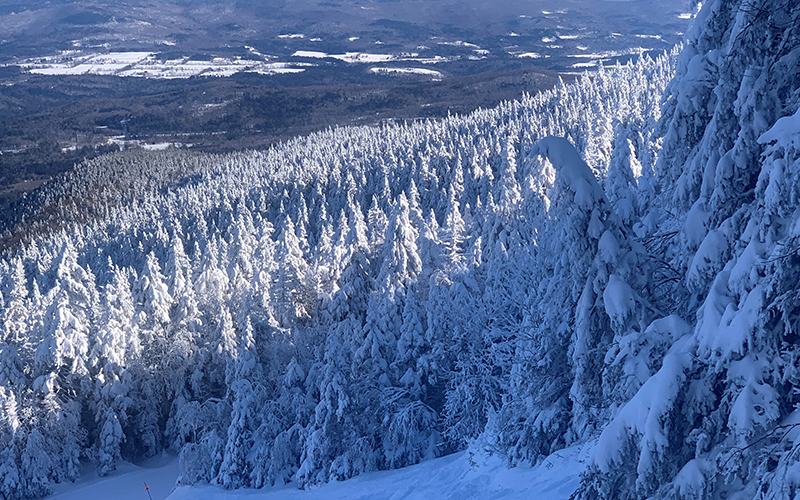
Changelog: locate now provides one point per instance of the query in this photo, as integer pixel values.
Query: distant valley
(181, 39)
(80, 78)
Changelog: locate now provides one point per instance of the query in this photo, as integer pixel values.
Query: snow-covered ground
(146, 65)
(530, 55)
(608, 55)
(461, 476)
(435, 75)
(126, 483)
(349, 57)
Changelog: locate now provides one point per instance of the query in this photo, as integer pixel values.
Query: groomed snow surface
(126, 483)
(461, 476)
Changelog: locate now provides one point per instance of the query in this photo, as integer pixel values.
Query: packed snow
(461, 476)
(128, 482)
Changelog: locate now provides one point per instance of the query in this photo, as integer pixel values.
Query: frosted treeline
(343, 303)
(593, 262)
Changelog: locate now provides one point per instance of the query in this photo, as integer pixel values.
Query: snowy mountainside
(582, 264)
(340, 304)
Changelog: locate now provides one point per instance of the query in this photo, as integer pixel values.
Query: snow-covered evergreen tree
(364, 298)
(235, 469)
(117, 343)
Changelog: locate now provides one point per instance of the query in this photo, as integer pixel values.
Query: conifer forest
(613, 259)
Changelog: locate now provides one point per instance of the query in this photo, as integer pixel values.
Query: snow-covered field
(531, 55)
(461, 476)
(146, 65)
(349, 57)
(149, 65)
(435, 75)
(608, 55)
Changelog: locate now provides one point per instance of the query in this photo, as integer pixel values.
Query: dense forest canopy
(614, 259)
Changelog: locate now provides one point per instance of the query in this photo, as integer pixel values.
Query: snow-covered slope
(460, 476)
(156, 475)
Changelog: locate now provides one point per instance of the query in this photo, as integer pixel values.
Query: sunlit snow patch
(161, 146)
(366, 58)
(313, 54)
(361, 57)
(254, 51)
(92, 64)
(145, 65)
(611, 53)
(435, 75)
(276, 70)
(430, 60)
(530, 55)
(460, 43)
(348, 57)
